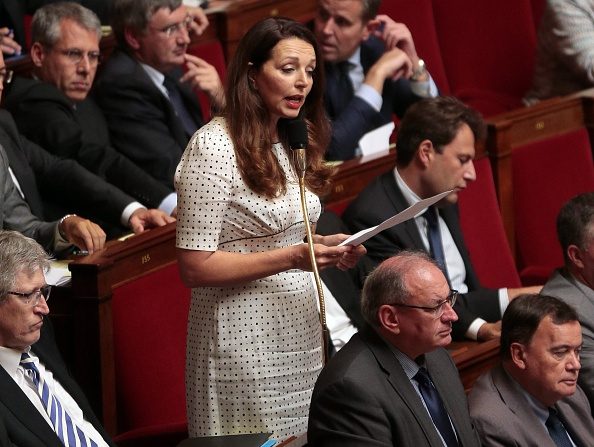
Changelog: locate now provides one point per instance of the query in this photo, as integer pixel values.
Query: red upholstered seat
(488, 49)
(538, 7)
(546, 174)
(149, 329)
(417, 15)
(483, 231)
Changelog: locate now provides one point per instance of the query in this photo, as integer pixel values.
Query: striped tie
(65, 428)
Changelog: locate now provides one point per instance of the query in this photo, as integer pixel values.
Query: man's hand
(514, 293)
(394, 35)
(200, 22)
(83, 233)
(143, 219)
(489, 331)
(203, 76)
(7, 43)
(393, 64)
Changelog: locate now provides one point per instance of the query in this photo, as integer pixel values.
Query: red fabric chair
(149, 329)
(488, 51)
(483, 231)
(418, 17)
(212, 52)
(546, 174)
(538, 7)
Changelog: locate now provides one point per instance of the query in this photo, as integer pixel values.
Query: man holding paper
(435, 152)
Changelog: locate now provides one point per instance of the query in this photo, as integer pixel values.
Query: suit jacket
(358, 117)
(382, 199)
(48, 118)
(142, 122)
(54, 186)
(503, 417)
(563, 286)
(364, 398)
(24, 423)
(15, 213)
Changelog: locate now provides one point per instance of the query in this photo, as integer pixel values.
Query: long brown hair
(248, 117)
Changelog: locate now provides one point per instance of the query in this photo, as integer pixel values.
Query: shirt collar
(409, 366)
(409, 195)
(355, 58)
(156, 76)
(541, 412)
(10, 359)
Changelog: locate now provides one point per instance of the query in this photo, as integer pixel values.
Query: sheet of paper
(409, 213)
(378, 140)
(58, 273)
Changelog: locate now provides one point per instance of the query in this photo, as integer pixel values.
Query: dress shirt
(10, 361)
(454, 261)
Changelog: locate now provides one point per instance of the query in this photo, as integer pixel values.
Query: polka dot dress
(253, 351)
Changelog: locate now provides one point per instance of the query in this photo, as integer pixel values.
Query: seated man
(436, 146)
(532, 398)
(150, 106)
(55, 112)
(40, 404)
(565, 50)
(394, 384)
(372, 70)
(574, 283)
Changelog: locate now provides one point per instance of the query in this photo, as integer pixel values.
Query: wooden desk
(473, 359)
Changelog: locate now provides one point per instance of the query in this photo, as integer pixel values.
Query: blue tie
(434, 236)
(63, 425)
(557, 430)
(436, 408)
(175, 97)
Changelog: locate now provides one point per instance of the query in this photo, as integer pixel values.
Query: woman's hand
(327, 253)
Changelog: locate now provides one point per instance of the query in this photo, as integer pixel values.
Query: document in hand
(409, 213)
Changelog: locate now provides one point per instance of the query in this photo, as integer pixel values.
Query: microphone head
(297, 133)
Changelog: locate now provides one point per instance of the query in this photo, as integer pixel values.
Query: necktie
(343, 86)
(434, 236)
(435, 406)
(188, 123)
(63, 425)
(557, 430)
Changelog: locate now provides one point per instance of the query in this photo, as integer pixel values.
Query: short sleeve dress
(253, 351)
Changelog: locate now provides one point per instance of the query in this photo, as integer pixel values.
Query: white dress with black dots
(253, 351)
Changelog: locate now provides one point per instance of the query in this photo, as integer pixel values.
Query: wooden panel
(473, 359)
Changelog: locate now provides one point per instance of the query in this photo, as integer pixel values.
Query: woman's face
(285, 80)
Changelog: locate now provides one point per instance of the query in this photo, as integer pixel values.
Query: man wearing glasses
(40, 404)
(394, 384)
(149, 102)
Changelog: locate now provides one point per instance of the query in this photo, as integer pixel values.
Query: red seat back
(483, 231)
(546, 174)
(149, 330)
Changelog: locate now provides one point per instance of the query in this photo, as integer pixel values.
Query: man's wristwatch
(419, 72)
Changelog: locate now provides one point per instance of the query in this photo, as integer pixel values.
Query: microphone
(297, 133)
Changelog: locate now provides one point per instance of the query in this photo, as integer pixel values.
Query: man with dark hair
(394, 384)
(372, 70)
(55, 112)
(532, 398)
(436, 147)
(574, 283)
(151, 107)
(40, 404)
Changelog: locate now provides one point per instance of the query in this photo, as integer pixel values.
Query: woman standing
(254, 340)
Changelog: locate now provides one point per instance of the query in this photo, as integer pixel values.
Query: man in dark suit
(394, 384)
(55, 112)
(33, 376)
(150, 104)
(532, 399)
(574, 283)
(436, 146)
(372, 70)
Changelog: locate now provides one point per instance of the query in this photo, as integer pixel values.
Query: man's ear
(131, 38)
(575, 256)
(388, 318)
(518, 355)
(425, 152)
(37, 54)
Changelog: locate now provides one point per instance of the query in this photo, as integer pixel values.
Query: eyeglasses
(176, 28)
(34, 297)
(5, 76)
(75, 56)
(438, 310)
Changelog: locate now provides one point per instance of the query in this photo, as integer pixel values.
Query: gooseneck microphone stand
(297, 132)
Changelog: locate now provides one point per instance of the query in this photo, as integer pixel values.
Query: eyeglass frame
(176, 28)
(75, 56)
(438, 309)
(6, 76)
(29, 298)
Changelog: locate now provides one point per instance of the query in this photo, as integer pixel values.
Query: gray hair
(18, 254)
(45, 26)
(135, 14)
(387, 283)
